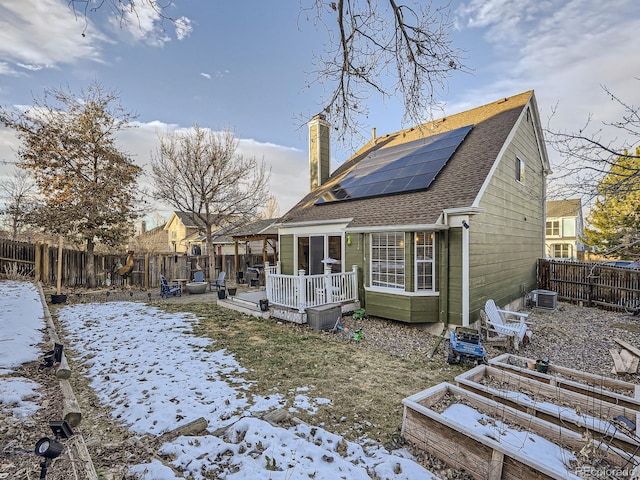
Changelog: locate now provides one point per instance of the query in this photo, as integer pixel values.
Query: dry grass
(366, 385)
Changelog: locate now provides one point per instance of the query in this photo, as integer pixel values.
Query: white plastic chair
(504, 323)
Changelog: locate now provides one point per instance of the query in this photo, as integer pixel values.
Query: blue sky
(246, 68)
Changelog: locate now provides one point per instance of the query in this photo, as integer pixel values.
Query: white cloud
(183, 28)
(33, 68)
(206, 75)
(147, 23)
(566, 51)
(43, 33)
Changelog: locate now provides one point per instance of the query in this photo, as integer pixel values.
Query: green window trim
(424, 259)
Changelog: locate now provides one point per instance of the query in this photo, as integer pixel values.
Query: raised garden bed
(604, 388)
(567, 409)
(490, 440)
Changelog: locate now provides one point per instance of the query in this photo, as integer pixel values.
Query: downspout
(465, 274)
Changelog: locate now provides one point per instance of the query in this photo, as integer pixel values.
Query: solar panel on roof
(407, 167)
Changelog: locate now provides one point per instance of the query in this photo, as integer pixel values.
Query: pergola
(260, 230)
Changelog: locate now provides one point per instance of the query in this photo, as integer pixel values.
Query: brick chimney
(319, 153)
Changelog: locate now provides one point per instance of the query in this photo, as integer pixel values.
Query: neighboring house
(151, 241)
(564, 227)
(183, 234)
(437, 219)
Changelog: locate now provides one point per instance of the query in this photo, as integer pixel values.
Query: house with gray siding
(564, 229)
(435, 219)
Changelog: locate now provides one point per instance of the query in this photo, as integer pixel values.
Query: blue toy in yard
(465, 345)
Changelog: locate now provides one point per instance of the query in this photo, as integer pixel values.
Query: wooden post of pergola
(264, 251)
(236, 260)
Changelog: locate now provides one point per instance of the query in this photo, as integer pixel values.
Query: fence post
(37, 270)
(46, 263)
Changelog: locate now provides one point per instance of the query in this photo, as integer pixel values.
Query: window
(424, 261)
(568, 227)
(553, 228)
(562, 250)
(520, 168)
(312, 250)
(387, 260)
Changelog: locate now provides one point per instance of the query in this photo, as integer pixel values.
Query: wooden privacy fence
(590, 283)
(40, 262)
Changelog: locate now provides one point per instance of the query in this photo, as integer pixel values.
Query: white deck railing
(303, 291)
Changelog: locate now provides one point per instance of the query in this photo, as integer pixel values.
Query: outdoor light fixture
(57, 352)
(49, 448)
(61, 429)
(465, 224)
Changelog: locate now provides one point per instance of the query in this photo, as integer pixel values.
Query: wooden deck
(249, 302)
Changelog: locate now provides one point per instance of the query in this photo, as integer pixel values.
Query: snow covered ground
(156, 375)
(22, 327)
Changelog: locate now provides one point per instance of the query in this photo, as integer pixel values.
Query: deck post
(354, 279)
(327, 284)
(302, 291)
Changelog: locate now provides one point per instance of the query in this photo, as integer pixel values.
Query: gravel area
(580, 338)
(571, 336)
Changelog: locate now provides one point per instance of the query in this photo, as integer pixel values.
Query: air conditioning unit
(544, 299)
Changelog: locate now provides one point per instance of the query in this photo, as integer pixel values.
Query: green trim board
(403, 308)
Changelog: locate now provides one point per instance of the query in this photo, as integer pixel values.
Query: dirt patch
(365, 381)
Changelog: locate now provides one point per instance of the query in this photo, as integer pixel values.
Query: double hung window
(387, 260)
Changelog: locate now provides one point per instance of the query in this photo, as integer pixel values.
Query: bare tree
(87, 184)
(18, 192)
(387, 48)
(200, 172)
(590, 152)
(271, 208)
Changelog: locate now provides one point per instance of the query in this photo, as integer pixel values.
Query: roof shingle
(456, 186)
